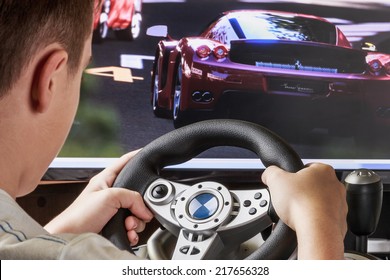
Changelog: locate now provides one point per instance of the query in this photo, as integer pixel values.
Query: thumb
(272, 174)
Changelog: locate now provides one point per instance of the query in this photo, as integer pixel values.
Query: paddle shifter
(364, 197)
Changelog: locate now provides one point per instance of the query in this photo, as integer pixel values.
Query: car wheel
(133, 31)
(157, 110)
(136, 25)
(155, 95)
(103, 29)
(178, 118)
(100, 32)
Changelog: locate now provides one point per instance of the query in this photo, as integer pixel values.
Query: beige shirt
(23, 238)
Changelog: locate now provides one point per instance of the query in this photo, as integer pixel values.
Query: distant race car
(276, 68)
(122, 16)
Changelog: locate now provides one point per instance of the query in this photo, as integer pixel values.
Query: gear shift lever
(364, 197)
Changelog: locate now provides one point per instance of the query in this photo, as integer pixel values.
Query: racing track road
(131, 99)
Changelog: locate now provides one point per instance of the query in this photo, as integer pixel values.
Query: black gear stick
(364, 197)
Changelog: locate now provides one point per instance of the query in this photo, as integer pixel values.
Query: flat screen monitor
(116, 114)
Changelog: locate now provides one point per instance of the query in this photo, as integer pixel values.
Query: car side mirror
(157, 31)
(367, 46)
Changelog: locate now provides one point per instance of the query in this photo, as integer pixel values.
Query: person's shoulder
(91, 246)
(12, 215)
(4, 196)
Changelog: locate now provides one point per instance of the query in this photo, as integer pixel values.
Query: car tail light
(387, 68)
(220, 52)
(203, 51)
(375, 67)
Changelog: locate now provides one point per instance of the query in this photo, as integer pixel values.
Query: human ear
(48, 75)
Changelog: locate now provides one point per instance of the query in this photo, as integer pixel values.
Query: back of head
(28, 25)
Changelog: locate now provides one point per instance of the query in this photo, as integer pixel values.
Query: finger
(121, 162)
(133, 223)
(110, 173)
(133, 201)
(133, 237)
(271, 173)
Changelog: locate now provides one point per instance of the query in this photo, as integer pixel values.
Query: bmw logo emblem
(203, 206)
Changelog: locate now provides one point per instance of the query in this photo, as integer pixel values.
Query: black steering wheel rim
(185, 143)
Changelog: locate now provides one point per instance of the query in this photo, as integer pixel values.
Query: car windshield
(282, 27)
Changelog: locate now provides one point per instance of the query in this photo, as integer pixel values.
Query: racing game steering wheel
(207, 218)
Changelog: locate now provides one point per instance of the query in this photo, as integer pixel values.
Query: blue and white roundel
(203, 206)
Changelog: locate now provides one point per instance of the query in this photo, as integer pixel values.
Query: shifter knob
(364, 197)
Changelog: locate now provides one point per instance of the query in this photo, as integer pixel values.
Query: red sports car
(122, 16)
(276, 68)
